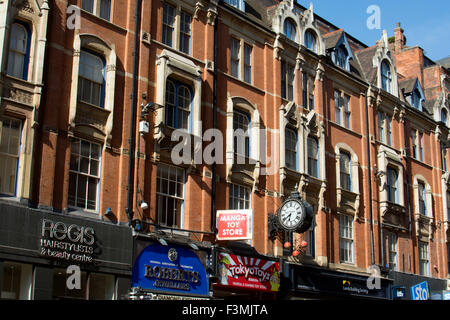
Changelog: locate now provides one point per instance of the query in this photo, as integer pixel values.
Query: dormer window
(415, 99)
(386, 77)
(289, 29)
(311, 41)
(341, 57)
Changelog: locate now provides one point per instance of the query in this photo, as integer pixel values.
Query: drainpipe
(130, 188)
(408, 178)
(369, 183)
(214, 124)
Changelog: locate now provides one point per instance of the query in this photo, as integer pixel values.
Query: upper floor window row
(176, 28)
(101, 8)
(241, 60)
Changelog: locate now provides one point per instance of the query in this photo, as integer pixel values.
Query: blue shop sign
(171, 269)
(420, 291)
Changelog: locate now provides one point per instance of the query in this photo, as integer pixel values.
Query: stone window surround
(172, 64)
(353, 195)
(387, 157)
(94, 43)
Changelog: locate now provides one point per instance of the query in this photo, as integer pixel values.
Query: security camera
(143, 205)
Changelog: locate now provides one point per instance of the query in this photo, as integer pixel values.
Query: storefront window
(101, 286)
(16, 282)
(62, 292)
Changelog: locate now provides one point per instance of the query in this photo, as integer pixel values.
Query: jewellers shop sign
(248, 273)
(170, 269)
(67, 242)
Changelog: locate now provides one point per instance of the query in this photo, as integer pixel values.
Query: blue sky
(426, 23)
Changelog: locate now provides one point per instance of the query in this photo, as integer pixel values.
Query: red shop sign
(248, 273)
(234, 224)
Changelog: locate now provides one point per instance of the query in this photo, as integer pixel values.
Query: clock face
(290, 215)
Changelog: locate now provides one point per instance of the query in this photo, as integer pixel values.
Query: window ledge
(346, 129)
(250, 85)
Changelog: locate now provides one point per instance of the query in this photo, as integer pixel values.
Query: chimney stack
(400, 40)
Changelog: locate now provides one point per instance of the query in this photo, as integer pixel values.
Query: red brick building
(360, 132)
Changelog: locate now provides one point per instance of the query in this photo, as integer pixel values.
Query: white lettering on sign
(60, 241)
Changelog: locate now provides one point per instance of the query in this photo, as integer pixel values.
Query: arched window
(422, 198)
(313, 157)
(178, 105)
(291, 148)
(91, 79)
(289, 29)
(19, 50)
(392, 185)
(311, 41)
(386, 77)
(345, 171)
(241, 129)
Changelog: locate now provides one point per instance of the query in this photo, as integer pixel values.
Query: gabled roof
(407, 85)
(365, 58)
(331, 39)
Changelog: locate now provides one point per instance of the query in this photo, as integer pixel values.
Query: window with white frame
(392, 185)
(170, 182)
(287, 81)
(342, 109)
(84, 175)
(346, 238)
(240, 51)
(178, 104)
(19, 50)
(91, 79)
(308, 91)
(241, 131)
(101, 8)
(384, 128)
(345, 171)
(386, 77)
(289, 29)
(248, 63)
(313, 157)
(424, 259)
(176, 28)
(10, 133)
(291, 148)
(235, 48)
(417, 144)
(392, 250)
(422, 198)
(239, 197)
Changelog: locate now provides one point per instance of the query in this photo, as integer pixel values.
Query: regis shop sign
(66, 242)
(248, 273)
